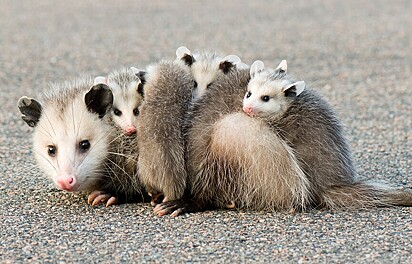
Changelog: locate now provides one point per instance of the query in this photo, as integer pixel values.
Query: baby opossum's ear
(140, 74)
(99, 99)
(294, 89)
(140, 88)
(183, 53)
(228, 63)
(31, 110)
(283, 66)
(100, 79)
(256, 68)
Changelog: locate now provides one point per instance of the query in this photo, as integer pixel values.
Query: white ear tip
(258, 64)
(300, 86)
(99, 79)
(135, 70)
(256, 67)
(181, 51)
(232, 58)
(283, 65)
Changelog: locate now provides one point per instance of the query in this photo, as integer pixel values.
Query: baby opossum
(300, 162)
(234, 159)
(167, 93)
(77, 146)
(206, 67)
(127, 92)
(309, 125)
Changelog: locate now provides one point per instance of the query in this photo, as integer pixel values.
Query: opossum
(309, 125)
(76, 144)
(167, 93)
(234, 159)
(300, 161)
(206, 67)
(127, 92)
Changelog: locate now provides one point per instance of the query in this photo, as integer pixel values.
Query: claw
(92, 196)
(111, 201)
(177, 212)
(100, 199)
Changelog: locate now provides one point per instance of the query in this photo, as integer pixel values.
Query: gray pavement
(358, 54)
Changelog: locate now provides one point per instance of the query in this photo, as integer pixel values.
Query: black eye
(136, 112)
(195, 84)
(51, 150)
(208, 86)
(117, 112)
(84, 145)
(248, 94)
(265, 98)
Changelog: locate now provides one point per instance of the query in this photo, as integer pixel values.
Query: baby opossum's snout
(250, 110)
(130, 130)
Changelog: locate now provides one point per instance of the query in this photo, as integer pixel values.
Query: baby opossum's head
(207, 66)
(127, 91)
(270, 92)
(70, 139)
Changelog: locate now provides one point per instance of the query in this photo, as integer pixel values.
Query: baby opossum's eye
(195, 84)
(248, 94)
(208, 86)
(84, 145)
(51, 150)
(136, 112)
(265, 98)
(117, 112)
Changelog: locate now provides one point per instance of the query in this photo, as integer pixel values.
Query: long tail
(366, 194)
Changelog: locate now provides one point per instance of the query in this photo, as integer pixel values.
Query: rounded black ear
(31, 110)
(99, 99)
(188, 59)
(225, 66)
(185, 55)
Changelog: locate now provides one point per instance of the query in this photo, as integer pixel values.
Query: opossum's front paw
(98, 197)
(174, 208)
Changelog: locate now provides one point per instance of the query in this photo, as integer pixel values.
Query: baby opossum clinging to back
(309, 125)
(127, 92)
(78, 147)
(206, 67)
(292, 156)
(167, 90)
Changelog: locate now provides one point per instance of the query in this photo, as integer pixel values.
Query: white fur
(260, 86)
(65, 131)
(124, 86)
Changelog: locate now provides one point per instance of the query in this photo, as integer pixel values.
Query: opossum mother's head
(70, 139)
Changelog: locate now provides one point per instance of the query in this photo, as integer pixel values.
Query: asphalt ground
(357, 53)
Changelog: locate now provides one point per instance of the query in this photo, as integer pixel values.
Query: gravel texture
(358, 54)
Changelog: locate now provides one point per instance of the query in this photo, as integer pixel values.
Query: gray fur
(314, 132)
(233, 158)
(167, 90)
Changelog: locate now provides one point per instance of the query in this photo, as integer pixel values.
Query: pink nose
(130, 130)
(66, 182)
(247, 109)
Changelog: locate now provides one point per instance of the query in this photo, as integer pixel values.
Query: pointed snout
(67, 182)
(130, 130)
(247, 109)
